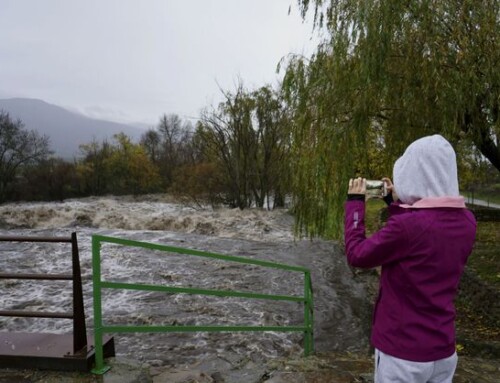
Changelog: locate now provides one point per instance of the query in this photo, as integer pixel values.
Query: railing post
(308, 315)
(79, 327)
(99, 368)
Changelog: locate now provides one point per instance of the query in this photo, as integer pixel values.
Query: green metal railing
(100, 329)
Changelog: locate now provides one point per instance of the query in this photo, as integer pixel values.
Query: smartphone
(376, 188)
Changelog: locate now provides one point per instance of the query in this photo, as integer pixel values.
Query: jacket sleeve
(385, 246)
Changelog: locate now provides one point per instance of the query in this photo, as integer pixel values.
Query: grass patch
(484, 260)
(492, 197)
(372, 219)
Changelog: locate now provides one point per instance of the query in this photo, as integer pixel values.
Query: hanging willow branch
(389, 72)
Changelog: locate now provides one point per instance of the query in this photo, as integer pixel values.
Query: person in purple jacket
(422, 251)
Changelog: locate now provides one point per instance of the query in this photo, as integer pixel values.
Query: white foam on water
(150, 214)
(252, 233)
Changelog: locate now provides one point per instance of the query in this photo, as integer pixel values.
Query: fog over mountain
(66, 130)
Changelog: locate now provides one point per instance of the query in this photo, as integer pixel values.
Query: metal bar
(130, 329)
(33, 239)
(99, 368)
(180, 250)
(308, 317)
(79, 327)
(47, 351)
(186, 290)
(51, 277)
(35, 314)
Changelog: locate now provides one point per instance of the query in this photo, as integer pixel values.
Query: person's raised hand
(390, 187)
(357, 186)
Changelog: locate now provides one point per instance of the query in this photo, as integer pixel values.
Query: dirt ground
(322, 368)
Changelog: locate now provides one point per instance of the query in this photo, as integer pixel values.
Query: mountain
(66, 130)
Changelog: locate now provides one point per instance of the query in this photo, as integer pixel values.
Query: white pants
(389, 369)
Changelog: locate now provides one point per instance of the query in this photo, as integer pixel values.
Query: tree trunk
(490, 150)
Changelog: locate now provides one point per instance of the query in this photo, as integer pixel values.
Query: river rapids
(341, 305)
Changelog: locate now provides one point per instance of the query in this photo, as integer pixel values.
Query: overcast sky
(133, 60)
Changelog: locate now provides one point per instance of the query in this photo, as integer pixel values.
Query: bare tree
(175, 137)
(151, 142)
(18, 147)
(247, 137)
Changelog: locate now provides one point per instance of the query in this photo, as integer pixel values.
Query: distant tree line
(237, 155)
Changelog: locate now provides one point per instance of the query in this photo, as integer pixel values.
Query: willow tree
(388, 72)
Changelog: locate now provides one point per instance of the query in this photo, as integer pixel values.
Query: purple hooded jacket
(422, 249)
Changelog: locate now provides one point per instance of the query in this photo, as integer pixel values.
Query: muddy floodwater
(341, 306)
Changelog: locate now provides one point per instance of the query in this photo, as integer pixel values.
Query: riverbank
(320, 368)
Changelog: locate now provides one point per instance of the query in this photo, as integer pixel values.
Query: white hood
(427, 169)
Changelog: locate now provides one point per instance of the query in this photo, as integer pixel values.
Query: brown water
(341, 306)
